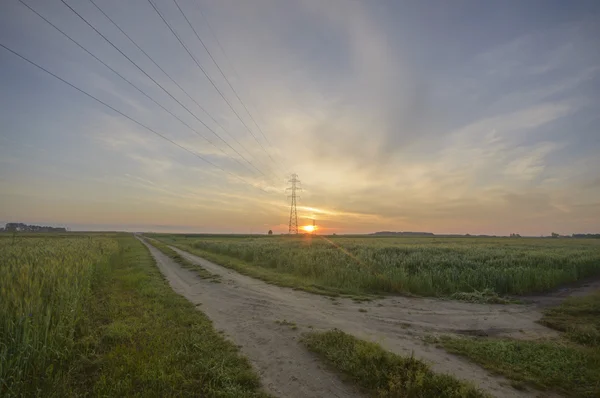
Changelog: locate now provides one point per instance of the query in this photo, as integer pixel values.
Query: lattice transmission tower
(293, 226)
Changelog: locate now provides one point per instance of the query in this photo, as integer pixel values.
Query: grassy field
(92, 315)
(569, 365)
(429, 266)
(381, 373)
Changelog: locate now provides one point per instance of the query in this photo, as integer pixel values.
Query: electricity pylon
(293, 226)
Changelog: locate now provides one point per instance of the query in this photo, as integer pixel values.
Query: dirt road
(247, 310)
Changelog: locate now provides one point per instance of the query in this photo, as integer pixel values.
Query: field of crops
(428, 266)
(45, 283)
(91, 315)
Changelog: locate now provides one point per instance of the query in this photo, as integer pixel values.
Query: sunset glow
(309, 228)
(400, 101)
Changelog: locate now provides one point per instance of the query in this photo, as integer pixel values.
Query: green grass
(547, 365)
(281, 279)
(381, 373)
(578, 318)
(472, 269)
(569, 365)
(173, 255)
(45, 292)
(134, 335)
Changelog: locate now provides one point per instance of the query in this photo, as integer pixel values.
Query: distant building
(20, 227)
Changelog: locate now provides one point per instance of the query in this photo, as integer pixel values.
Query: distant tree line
(20, 227)
(593, 236)
(391, 233)
(513, 235)
(579, 236)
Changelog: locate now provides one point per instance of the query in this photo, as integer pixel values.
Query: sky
(439, 116)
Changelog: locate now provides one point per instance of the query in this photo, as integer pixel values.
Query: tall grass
(94, 316)
(423, 266)
(44, 285)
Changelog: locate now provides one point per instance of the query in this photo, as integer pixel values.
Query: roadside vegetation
(45, 293)
(569, 365)
(471, 269)
(381, 373)
(578, 318)
(93, 316)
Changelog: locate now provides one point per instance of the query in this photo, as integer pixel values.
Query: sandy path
(247, 309)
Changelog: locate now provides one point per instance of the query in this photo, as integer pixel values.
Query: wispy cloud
(394, 118)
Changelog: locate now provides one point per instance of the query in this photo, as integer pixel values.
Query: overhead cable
(129, 117)
(205, 74)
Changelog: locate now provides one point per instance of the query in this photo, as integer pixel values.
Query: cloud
(387, 127)
(531, 163)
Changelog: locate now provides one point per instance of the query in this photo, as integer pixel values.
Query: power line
(205, 74)
(129, 82)
(170, 78)
(158, 84)
(231, 65)
(128, 117)
(227, 80)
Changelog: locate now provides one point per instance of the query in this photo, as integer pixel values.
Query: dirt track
(247, 309)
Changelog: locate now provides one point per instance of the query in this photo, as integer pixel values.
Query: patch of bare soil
(248, 311)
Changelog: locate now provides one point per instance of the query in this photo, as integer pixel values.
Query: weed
(381, 373)
(285, 322)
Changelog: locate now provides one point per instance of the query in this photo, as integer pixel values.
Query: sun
(309, 228)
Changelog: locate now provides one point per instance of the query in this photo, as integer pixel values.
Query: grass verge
(547, 365)
(569, 365)
(578, 318)
(381, 373)
(148, 341)
(173, 255)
